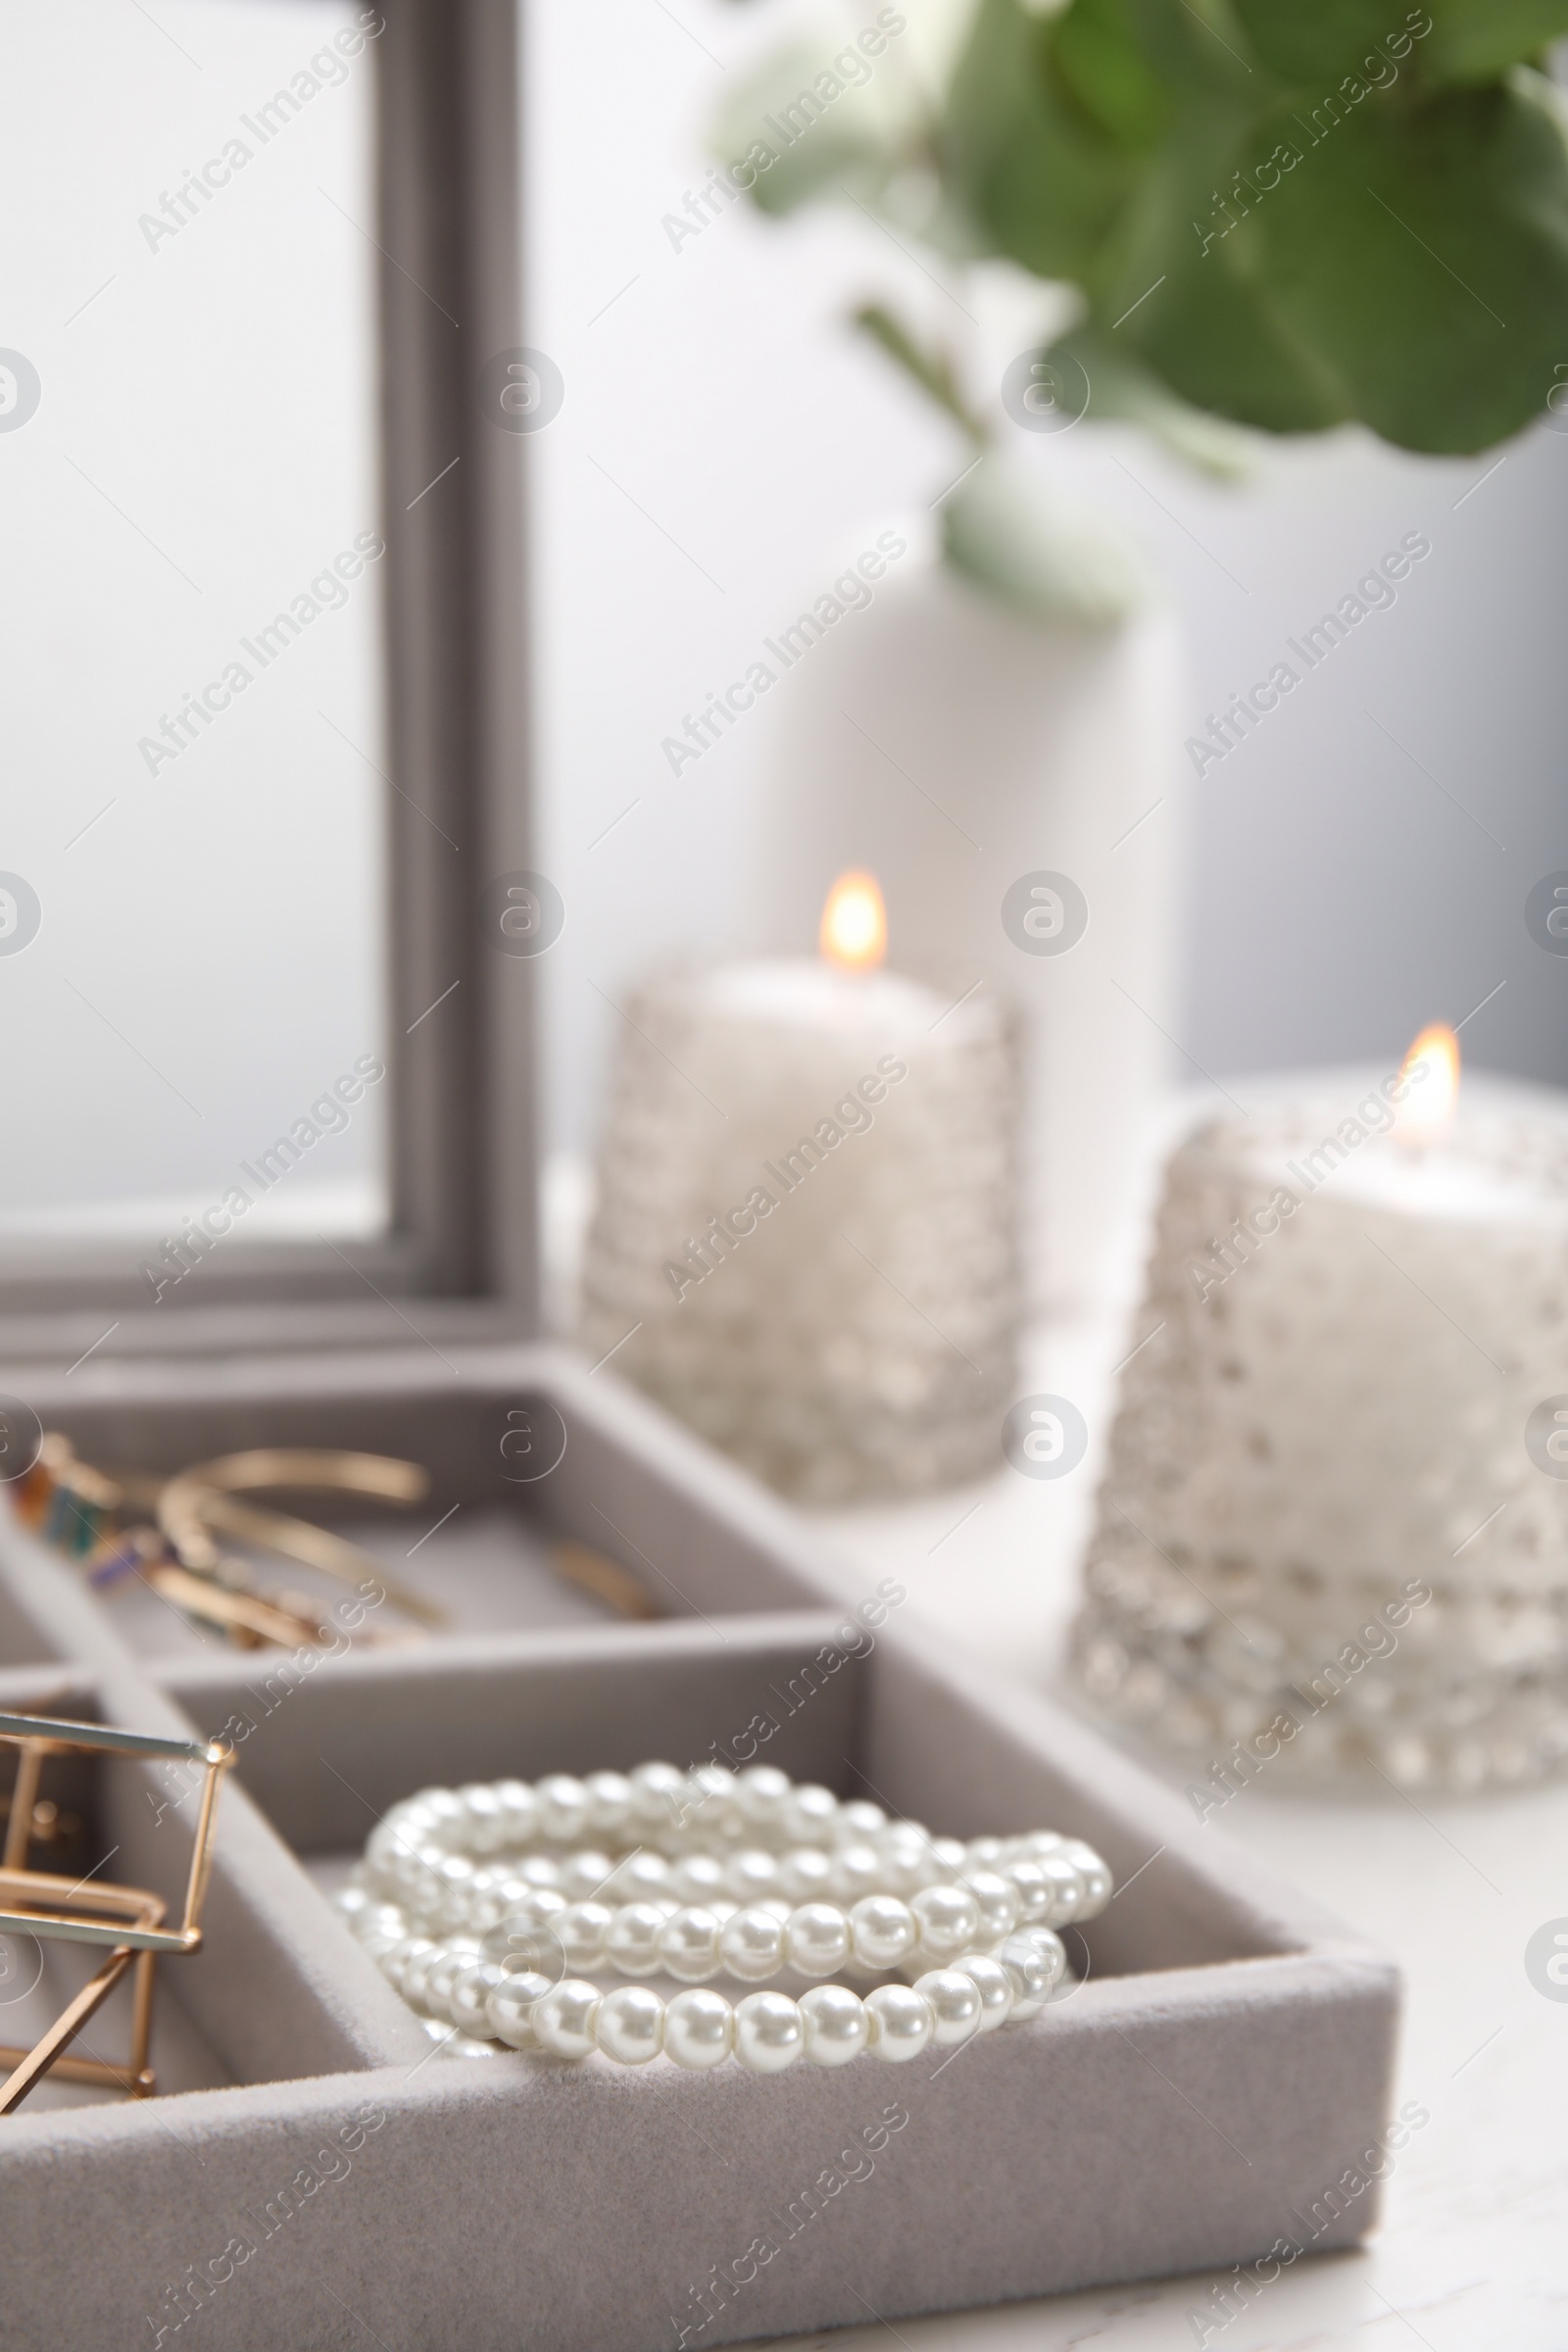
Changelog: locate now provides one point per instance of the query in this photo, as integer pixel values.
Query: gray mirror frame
(464, 1150)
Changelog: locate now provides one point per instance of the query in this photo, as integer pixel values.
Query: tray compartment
(1222, 2055)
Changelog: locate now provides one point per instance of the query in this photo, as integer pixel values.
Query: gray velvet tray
(1219, 2056)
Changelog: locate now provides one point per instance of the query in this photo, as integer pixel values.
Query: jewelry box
(1223, 2055)
(313, 2170)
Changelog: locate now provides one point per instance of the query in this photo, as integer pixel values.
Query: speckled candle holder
(807, 1236)
(1346, 1404)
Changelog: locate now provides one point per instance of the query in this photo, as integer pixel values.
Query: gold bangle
(201, 1499)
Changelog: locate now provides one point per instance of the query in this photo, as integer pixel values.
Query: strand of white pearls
(484, 1928)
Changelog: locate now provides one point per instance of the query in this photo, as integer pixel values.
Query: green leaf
(1197, 46)
(1219, 342)
(1039, 176)
(1111, 80)
(1424, 257)
(802, 141)
(1305, 43)
(1049, 558)
(1122, 388)
(1474, 39)
(1310, 46)
(1188, 294)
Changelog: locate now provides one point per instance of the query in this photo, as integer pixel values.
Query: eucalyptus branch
(932, 371)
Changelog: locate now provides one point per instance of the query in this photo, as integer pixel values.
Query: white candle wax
(807, 1209)
(1329, 1424)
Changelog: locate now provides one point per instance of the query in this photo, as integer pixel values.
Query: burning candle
(1333, 1537)
(805, 1239)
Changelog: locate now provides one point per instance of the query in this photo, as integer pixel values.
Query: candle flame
(1430, 1070)
(855, 924)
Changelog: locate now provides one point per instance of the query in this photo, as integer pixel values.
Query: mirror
(194, 859)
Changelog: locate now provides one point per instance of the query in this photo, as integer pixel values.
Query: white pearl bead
(817, 1940)
(1068, 1888)
(751, 1874)
(697, 1878)
(808, 1814)
(417, 1973)
(950, 1855)
(699, 2029)
(584, 1875)
(751, 1944)
(1032, 1887)
(857, 1872)
(688, 1946)
(527, 1937)
(1030, 1972)
(442, 1974)
(767, 2032)
(457, 1875)
(856, 1822)
(510, 2006)
(806, 1875)
(632, 1938)
(403, 1958)
(1096, 1877)
(379, 1919)
(382, 1845)
(640, 1879)
(467, 1998)
(562, 1808)
(581, 1931)
(485, 1827)
(714, 1810)
(995, 1988)
(904, 1851)
(881, 1931)
(660, 1798)
(540, 1870)
(996, 1902)
(630, 2025)
(900, 2021)
(947, 1920)
(564, 2020)
(351, 1900)
(954, 2000)
(610, 1803)
(833, 2023)
(760, 1792)
(521, 1810)
(985, 1853)
(1049, 1945)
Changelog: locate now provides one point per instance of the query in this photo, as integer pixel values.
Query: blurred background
(197, 927)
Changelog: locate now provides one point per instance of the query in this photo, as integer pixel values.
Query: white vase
(954, 747)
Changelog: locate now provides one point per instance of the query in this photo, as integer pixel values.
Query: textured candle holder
(807, 1240)
(1328, 1423)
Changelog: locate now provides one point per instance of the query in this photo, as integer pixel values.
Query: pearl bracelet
(481, 1909)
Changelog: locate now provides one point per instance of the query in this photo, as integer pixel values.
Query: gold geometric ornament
(125, 1921)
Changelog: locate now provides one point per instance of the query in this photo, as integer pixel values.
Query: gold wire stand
(126, 1921)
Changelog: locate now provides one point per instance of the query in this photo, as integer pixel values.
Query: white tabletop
(1473, 2248)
